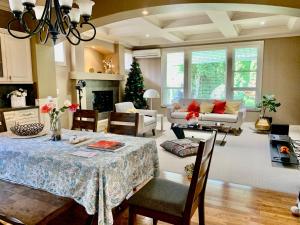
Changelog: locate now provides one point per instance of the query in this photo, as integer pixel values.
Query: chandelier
(54, 18)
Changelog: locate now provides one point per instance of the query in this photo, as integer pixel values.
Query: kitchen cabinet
(15, 61)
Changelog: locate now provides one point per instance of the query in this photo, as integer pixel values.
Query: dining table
(97, 180)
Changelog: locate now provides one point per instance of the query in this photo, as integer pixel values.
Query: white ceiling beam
(187, 23)
(165, 34)
(293, 23)
(223, 22)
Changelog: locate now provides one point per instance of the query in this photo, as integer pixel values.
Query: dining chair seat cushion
(161, 195)
(181, 147)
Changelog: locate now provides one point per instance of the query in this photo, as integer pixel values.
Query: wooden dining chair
(123, 123)
(172, 202)
(21, 205)
(85, 120)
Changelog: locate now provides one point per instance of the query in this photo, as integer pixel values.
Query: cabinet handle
(10, 77)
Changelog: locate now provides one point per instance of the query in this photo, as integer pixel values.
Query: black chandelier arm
(77, 36)
(45, 39)
(10, 30)
(81, 25)
(60, 19)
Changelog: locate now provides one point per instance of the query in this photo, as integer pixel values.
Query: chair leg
(154, 221)
(201, 213)
(131, 217)
(153, 132)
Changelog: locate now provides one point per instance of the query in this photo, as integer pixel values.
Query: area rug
(244, 160)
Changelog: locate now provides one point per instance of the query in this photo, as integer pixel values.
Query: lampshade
(75, 15)
(66, 3)
(86, 7)
(151, 93)
(39, 11)
(32, 2)
(16, 5)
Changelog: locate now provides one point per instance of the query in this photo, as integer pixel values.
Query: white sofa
(234, 121)
(147, 118)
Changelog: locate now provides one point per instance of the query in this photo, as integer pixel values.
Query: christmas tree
(134, 89)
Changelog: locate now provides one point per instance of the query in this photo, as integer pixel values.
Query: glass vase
(55, 129)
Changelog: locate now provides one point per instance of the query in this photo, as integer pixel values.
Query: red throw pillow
(219, 107)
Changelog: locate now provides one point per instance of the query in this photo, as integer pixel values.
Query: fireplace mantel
(95, 76)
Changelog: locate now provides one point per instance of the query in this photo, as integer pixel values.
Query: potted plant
(18, 98)
(268, 103)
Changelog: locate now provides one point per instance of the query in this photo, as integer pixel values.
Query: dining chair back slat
(85, 120)
(123, 123)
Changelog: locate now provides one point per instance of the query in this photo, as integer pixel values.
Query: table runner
(99, 183)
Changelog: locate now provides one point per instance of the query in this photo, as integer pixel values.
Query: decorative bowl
(27, 129)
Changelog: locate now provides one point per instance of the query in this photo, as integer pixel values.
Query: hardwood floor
(231, 204)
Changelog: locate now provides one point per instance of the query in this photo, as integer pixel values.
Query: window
(225, 71)
(208, 74)
(173, 90)
(245, 71)
(59, 54)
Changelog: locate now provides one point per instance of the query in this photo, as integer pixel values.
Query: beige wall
(64, 85)
(281, 76)
(43, 69)
(151, 69)
(93, 59)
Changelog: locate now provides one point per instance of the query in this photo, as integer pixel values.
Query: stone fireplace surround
(99, 85)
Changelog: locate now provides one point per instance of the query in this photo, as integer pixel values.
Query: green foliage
(134, 89)
(206, 77)
(269, 103)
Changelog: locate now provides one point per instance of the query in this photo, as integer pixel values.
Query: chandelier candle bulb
(86, 7)
(30, 2)
(66, 3)
(39, 12)
(75, 15)
(16, 5)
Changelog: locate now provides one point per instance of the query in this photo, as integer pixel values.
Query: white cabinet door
(3, 69)
(18, 59)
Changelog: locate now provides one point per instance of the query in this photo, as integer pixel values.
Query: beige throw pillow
(206, 107)
(232, 107)
(133, 110)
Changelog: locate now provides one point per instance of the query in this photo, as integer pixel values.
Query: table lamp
(151, 93)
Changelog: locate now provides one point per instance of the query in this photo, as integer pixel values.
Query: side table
(161, 118)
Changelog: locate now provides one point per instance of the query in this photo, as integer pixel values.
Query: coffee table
(178, 130)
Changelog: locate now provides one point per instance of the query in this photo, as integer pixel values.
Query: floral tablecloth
(99, 183)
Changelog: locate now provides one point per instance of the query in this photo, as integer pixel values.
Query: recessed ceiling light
(145, 12)
(262, 23)
(147, 35)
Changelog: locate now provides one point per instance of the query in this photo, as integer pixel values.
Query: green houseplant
(268, 103)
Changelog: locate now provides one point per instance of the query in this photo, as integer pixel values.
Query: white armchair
(147, 118)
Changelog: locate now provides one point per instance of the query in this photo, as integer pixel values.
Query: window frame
(64, 62)
(229, 81)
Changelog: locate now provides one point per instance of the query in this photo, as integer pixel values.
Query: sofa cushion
(219, 107)
(206, 107)
(181, 147)
(232, 107)
(179, 115)
(148, 120)
(229, 118)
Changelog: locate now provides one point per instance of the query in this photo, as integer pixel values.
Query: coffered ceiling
(183, 27)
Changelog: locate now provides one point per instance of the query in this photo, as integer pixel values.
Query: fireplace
(103, 101)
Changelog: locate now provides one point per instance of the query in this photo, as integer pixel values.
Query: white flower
(67, 103)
